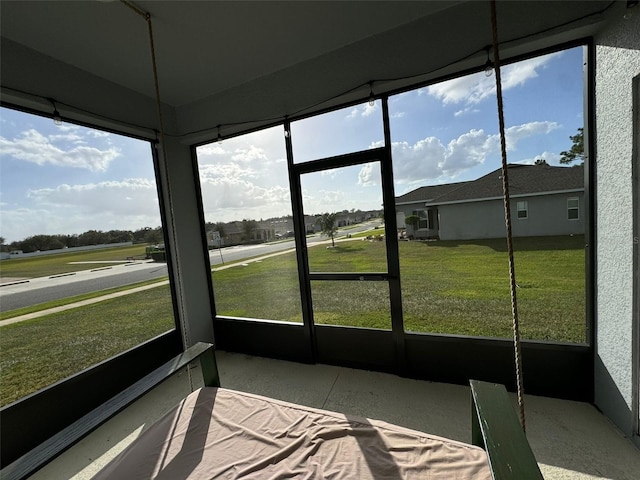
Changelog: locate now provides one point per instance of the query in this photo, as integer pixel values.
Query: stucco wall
(617, 63)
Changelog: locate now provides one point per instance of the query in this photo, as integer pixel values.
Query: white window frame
(525, 204)
(576, 208)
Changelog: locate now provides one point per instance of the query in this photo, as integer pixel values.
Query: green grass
(375, 233)
(351, 256)
(447, 287)
(268, 289)
(59, 263)
(36, 353)
(464, 288)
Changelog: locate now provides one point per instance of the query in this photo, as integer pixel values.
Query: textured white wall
(617, 63)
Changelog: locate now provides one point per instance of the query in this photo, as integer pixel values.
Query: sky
(68, 179)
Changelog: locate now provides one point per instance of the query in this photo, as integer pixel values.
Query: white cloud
(467, 151)
(473, 89)
(98, 134)
(518, 132)
(363, 110)
(369, 175)
(326, 201)
(211, 149)
(552, 158)
(67, 137)
(250, 154)
(245, 177)
(232, 198)
(429, 159)
(465, 111)
(133, 196)
(34, 147)
(225, 170)
(67, 209)
(417, 162)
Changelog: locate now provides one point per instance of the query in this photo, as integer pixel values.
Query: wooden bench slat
(496, 428)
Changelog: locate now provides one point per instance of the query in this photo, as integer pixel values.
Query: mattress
(221, 433)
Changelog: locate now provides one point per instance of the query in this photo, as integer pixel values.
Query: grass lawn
(36, 353)
(58, 263)
(463, 288)
(447, 287)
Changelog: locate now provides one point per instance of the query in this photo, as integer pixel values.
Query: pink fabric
(220, 433)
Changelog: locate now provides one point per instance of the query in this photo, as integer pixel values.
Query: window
(347, 130)
(249, 224)
(79, 209)
(573, 208)
(523, 209)
(423, 222)
(446, 162)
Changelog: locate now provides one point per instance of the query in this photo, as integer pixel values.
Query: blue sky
(69, 179)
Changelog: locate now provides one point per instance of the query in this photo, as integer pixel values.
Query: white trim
(573, 208)
(523, 195)
(525, 210)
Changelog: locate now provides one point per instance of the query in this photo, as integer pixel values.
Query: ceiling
(243, 64)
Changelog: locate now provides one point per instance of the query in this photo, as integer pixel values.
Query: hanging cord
(165, 164)
(507, 216)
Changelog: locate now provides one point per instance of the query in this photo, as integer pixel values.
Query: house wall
(617, 63)
(547, 215)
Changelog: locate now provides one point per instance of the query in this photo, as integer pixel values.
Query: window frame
(525, 203)
(571, 209)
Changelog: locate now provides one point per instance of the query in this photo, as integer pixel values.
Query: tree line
(90, 237)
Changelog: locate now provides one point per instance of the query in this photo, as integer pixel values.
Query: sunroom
(269, 114)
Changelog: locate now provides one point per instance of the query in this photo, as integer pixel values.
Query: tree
(576, 152)
(153, 236)
(540, 161)
(216, 227)
(327, 222)
(248, 227)
(413, 221)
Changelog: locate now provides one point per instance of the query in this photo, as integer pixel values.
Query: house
(545, 201)
(223, 70)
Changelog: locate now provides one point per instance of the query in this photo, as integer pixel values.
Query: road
(109, 275)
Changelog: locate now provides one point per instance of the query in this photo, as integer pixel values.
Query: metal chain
(507, 216)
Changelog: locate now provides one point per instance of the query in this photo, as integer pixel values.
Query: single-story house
(544, 201)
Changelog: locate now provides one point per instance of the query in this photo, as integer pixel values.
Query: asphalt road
(46, 289)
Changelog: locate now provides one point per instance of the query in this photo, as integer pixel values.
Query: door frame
(383, 347)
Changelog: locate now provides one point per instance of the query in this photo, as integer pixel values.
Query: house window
(573, 208)
(523, 209)
(423, 223)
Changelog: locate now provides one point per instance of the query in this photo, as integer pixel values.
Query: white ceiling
(249, 62)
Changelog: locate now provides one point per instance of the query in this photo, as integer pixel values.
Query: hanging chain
(507, 216)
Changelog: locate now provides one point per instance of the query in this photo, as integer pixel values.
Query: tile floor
(571, 440)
